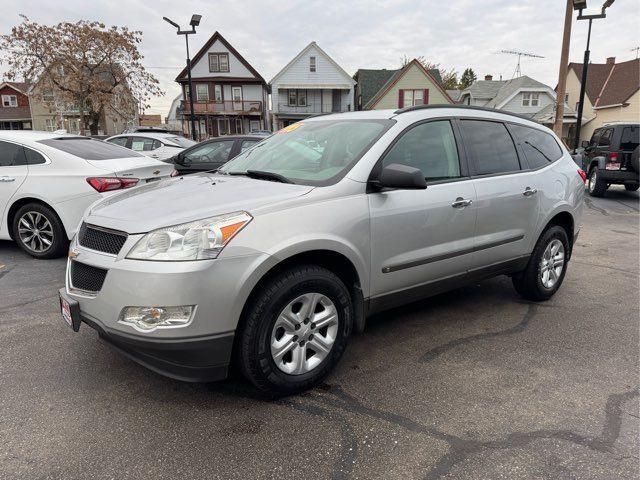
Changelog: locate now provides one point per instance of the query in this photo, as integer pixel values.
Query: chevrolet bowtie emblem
(157, 172)
(73, 254)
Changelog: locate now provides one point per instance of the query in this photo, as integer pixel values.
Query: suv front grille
(86, 277)
(100, 239)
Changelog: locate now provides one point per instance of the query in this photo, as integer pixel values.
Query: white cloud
(357, 34)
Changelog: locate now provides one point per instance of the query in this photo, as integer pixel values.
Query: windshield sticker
(291, 127)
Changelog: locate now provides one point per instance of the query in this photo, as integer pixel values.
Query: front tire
(631, 188)
(546, 268)
(595, 185)
(39, 232)
(296, 330)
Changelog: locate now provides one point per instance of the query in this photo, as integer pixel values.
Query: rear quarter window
(540, 148)
(630, 138)
(89, 149)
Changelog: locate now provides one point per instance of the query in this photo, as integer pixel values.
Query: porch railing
(245, 107)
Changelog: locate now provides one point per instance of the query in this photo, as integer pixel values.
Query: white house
(309, 84)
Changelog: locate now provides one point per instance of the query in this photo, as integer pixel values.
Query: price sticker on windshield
(291, 127)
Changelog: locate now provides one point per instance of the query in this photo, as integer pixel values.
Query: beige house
(49, 114)
(412, 85)
(612, 93)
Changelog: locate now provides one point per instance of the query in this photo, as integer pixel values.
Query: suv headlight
(198, 240)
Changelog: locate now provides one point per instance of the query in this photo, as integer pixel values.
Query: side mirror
(401, 176)
(584, 144)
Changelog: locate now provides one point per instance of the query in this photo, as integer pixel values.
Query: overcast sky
(359, 34)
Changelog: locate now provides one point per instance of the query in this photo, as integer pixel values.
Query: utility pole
(562, 73)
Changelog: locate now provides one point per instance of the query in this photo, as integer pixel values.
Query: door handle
(529, 191)
(7, 179)
(461, 203)
(154, 155)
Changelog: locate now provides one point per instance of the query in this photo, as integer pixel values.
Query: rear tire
(39, 232)
(542, 277)
(275, 324)
(595, 186)
(631, 188)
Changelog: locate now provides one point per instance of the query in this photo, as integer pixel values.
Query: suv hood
(178, 200)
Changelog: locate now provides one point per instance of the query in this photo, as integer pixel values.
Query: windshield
(311, 153)
(183, 142)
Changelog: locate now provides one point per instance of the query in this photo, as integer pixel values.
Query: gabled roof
(610, 83)
(205, 48)
(484, 89)
(397, 75)
(22, 87)
(303, 52)
(455, 95)
(548, 114)
(510, 87)
(371, 81)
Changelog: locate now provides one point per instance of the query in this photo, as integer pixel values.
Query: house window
(236, 92)
(530, 99)
(49, 124)
(186, 92)
(293, 98)
(218, 62)
(566, 99)
(413, 97)
(9, 101)
(202, 92)
(297, 98)
(312, 64)
(218, 93)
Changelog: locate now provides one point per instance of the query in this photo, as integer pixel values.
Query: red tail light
(106, 184)
(175, 173)
(583, 175)
(613, 157)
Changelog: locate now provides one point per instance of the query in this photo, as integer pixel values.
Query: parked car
(160, 146)
(611, 158)
(277, 258)
(48, 180)
(212, 154)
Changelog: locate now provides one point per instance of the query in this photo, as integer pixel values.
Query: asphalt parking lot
(476, 383)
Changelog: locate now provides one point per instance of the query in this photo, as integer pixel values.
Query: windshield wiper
(262, 175)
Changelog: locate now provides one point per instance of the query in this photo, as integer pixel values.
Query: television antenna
(518, 71)
(637, 50)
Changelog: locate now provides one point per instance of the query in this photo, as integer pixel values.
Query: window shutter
(425, 96)
(400, 98)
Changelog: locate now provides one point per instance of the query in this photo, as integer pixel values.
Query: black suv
(611, 157)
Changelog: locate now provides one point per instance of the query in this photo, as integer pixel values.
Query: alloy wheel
(552, 263)
(304, 333)
(35, 231)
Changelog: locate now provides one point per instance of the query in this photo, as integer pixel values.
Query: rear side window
(88, 148)
(247, 144)
(11, 155)
(33, 157)
(430, 147)
(594, 138)
(605, 138)
(122, 141)
(539, 147)
(491, 146)
(141, 144)
(630, 138)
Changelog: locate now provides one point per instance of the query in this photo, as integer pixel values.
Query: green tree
(467, 79)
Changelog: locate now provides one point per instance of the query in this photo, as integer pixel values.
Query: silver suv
(275, 259)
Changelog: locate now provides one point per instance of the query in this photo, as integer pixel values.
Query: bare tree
(85, 64)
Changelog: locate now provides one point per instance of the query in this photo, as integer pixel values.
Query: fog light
(147, 319)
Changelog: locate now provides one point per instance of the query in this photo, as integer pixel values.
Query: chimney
(611, 60)
(488, 78)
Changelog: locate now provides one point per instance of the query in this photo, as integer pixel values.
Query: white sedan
(48, 180)
(161, 146)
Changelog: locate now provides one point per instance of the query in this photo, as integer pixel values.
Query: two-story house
(311, 83)
(612, 93)
(522, 95)
(15, 113)
(411, 85)
(230, 96)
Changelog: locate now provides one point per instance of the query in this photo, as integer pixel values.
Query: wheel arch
(15, 206)
(566, 220)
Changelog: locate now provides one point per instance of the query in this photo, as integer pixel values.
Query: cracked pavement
(474, 383)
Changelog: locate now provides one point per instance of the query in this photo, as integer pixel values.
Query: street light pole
(195, 21)
(585, 68)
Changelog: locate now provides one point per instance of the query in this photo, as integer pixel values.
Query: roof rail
(461, 107)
